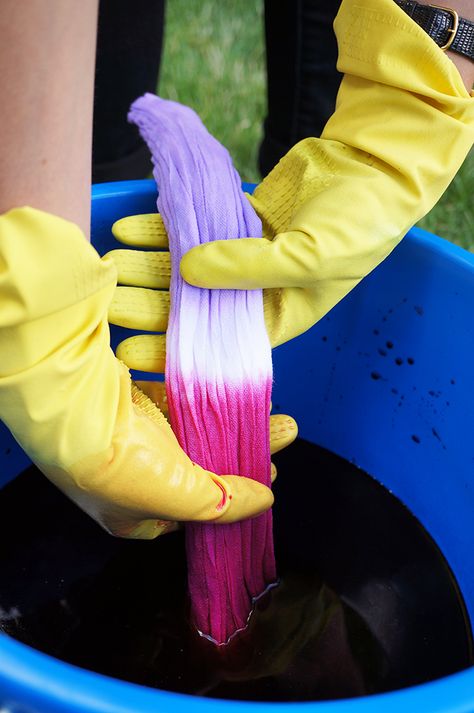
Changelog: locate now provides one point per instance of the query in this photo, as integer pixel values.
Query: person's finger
(145, 352)
(156, 391)
(248, 499)
(289, 260)
(140, 308)
(273, 472)
(142, 269)
(144, 231)
(243, 498)
(283, 431)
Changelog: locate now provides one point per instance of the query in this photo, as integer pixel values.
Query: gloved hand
(145, 306)
(335, 207)
(283, 428)
(71, 404)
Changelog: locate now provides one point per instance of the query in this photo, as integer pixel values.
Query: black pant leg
(302, 80)
(129, 46)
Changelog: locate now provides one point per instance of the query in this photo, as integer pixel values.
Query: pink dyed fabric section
(218, 370)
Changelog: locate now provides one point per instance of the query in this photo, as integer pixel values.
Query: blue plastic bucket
(343, 385)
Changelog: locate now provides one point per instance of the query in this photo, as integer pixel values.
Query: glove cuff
(58, 376)
(378, 41)
(46, 266)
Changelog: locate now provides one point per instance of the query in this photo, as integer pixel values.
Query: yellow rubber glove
(335, 207)
(146, 307)
(283, 428)
(71, 404)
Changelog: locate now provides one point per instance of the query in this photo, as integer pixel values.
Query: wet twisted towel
(218, 367)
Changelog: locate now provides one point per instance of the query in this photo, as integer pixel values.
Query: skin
(47, 58)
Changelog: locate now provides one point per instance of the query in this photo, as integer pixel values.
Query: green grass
(214, 62)
(453, 216)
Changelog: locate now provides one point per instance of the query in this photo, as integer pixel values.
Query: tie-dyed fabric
(218, 366)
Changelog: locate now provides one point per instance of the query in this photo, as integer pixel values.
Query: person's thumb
(251, 263)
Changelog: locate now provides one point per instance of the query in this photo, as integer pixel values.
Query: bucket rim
(42, 680)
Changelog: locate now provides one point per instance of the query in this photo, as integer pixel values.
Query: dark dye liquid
(366, 601)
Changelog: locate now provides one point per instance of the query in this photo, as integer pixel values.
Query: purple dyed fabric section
(218, 369)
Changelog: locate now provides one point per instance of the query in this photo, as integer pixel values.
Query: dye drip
(354, 613)
(218, 361)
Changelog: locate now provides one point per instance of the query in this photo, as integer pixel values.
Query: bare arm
(47, 56)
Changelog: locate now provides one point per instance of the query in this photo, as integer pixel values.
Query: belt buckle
(451, 30)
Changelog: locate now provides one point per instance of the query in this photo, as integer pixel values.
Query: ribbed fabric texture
(218, 368)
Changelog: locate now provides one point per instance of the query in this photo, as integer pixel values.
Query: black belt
(443, 25)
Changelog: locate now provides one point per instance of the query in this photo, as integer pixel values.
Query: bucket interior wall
(385, 380)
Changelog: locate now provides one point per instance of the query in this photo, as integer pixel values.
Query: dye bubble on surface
(354, 613)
